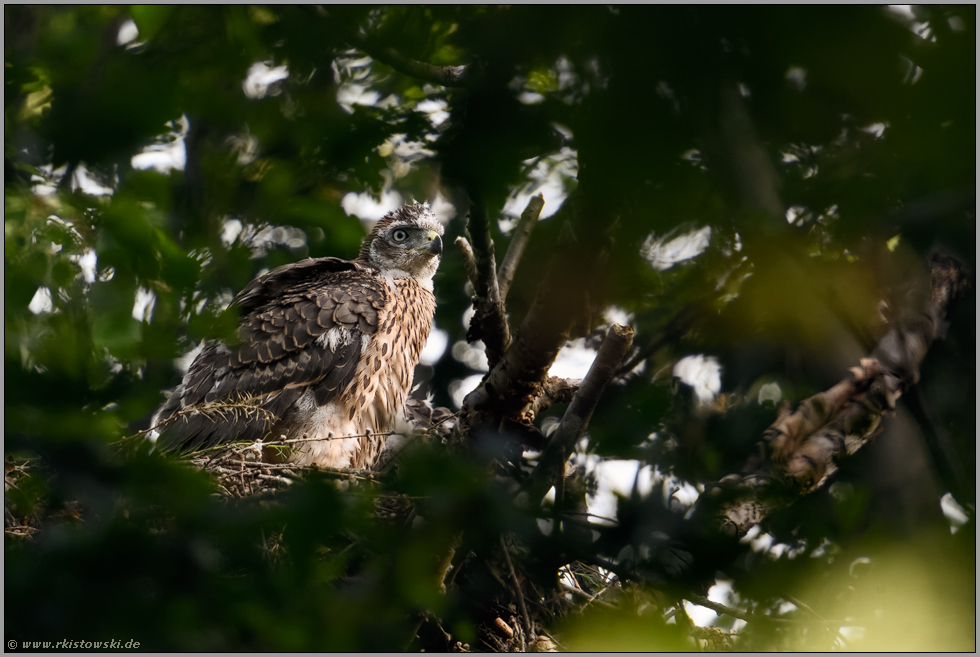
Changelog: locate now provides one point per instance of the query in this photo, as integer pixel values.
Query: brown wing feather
(271, 285)
(286, 348)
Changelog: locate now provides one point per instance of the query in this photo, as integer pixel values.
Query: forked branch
(573, 424)
(514, 382)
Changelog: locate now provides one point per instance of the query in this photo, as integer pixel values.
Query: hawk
(327, 350)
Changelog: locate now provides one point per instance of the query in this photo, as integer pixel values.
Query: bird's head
(405, 243)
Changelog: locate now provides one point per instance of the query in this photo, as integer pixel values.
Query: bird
(326, 353)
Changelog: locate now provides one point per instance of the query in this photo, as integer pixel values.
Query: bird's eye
(399, 235)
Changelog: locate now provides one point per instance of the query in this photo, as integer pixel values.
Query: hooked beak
(435, 243)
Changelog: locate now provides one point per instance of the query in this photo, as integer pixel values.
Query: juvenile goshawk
(327, 349)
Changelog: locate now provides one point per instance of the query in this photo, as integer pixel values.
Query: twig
(276, 478)
(518, 241)
(21, 531)
(568, 516)
(489, 323)
(290, 441)
(446, 76)
(576, 590)
(589, 599)
(802, 605)
(216, 408)
(259, 444)
(517, 586)
(680, 324)
(717, 607)
(579, 411)
(749, 617)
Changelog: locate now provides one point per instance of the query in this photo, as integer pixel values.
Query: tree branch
(522, 233)
(446, 76)
(490, 321)
(750, 617)
(469, 260)
(554, 391)
(516, 381)
(576, 419)
(802, 448)
(680, 324)
(528, 628)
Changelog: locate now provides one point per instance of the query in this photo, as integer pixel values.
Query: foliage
(819, 151)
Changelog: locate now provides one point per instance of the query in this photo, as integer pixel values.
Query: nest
(248, 469)
(17, 522)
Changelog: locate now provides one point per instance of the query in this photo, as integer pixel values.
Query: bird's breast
(384, 375)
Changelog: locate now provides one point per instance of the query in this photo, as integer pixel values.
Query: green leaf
(150, 18)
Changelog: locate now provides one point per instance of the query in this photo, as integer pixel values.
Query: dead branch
(528, 629)
(489, 323)
(579, 412)
(469, 260)
(519, 240)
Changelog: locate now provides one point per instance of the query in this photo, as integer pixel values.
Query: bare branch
(719, 608)
(517, 587)
(747, 616)
(579, 412)
(490, 321)
(469, 260)
(555, 391)
(522, 233)
(589, 599)
(446, 76)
